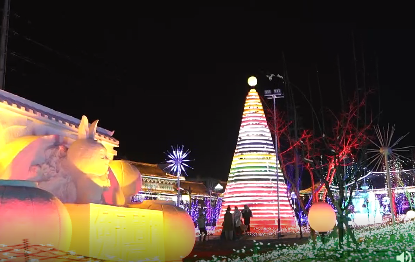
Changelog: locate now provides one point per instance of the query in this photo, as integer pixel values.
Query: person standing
(247, 214)
(237, 217)
(201, 222)
(228, 224)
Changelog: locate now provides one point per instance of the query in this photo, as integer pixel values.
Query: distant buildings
(157, 184)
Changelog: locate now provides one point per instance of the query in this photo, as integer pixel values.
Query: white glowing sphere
(252, 81)
(410, 214)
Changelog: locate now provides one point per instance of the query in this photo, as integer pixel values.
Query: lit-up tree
(327, 157)
(252, 179)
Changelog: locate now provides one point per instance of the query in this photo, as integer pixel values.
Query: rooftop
(48, 113)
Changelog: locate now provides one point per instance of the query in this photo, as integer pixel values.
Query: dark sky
(166, 75)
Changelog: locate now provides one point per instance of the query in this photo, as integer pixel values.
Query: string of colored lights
(252, 179)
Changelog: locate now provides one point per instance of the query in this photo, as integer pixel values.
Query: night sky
(172, 75)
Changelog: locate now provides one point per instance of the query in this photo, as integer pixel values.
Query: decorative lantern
(28, 212)
(410, 215)
(321, 217)
(179, 229)
(128, 177)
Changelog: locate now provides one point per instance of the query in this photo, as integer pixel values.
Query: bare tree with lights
(328, 156)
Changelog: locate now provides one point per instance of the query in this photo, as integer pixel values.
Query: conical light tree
(252, 179)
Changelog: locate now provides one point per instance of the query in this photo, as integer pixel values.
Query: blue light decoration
(402, 203)
(176, 164)
(187, 207)
(194, 209)
(208, 210)
(216, 211)
(328, 200)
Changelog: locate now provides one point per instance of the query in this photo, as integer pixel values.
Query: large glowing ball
(90, 157)
(321, 217)
(410, 215)
(28, 212)
(128, 177)
(113, 195)
(179, 229)
(252, 81)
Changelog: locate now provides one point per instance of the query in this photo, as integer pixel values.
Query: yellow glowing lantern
(128, 177)
(28, 212)
(252, 81)
(179, 229)
(321, 217)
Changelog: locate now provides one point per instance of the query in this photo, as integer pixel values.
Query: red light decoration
(252, 179)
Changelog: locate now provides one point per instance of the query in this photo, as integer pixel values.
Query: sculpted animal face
(88, 155)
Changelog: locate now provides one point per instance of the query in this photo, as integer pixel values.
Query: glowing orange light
(321, 217)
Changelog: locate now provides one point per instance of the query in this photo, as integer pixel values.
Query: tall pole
(276, 166)
(274, 94)
(178, 188)
(3, 43)
(388, 178)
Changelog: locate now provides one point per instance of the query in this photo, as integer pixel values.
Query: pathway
(217, 247)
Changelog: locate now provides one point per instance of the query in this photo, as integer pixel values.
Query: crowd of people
(234, 224)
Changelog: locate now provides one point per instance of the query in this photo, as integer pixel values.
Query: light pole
(274, 94)
(3, 43)
(386, 151)
(177, 164)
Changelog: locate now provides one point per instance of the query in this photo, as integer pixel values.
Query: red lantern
(28, 212)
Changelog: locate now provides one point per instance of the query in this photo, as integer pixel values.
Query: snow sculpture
(52, 175)
(74, 173)
(91, 164)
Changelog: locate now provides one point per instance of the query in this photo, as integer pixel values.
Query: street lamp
(274, 94)
(321, 218)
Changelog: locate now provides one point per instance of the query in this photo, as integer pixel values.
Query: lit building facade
(195, 195)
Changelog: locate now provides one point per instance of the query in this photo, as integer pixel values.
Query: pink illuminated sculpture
(27, 212)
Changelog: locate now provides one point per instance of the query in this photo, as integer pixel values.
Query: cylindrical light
(252, 81)
(321, 217)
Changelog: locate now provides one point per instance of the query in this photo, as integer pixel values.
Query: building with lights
(159, 185)
(253, 174)
(198, 195)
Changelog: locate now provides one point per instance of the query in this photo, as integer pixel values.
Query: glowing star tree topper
(177, 164)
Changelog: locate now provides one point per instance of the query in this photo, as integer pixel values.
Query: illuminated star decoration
(177, 160)
(386, 147)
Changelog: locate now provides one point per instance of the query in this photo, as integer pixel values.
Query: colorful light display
(252, 180)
